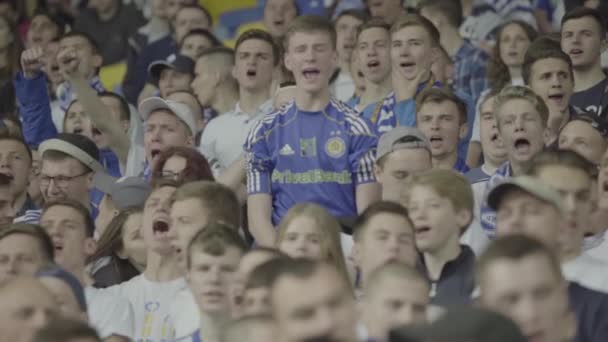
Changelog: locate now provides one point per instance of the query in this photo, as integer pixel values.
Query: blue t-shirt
(299, 156)
(591, 310)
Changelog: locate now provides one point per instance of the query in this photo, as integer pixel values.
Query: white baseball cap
(182, 111)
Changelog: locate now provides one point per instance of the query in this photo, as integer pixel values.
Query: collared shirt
(456, 282)
(320, 157)
(470, 70)
(223, 138)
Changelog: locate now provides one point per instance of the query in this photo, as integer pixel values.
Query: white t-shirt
(150, 302)
(184, 314)
(223, 138)
(109, 314)
(599, 249)
(587, 271)
(475, 237)
(343, 87)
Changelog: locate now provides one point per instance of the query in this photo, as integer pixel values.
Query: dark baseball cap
(462, 325)
(177, 62)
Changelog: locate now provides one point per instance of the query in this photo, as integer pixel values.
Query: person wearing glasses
(68, 166)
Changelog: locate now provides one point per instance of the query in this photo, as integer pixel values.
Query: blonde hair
(329, 229)
(521, 93)
(219, 200)
(448, 184)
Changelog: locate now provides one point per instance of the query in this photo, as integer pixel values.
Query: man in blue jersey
(373, 49)
(314, 149)
(442, 117)
(414, 48)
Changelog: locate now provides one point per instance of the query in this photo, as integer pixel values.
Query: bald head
(26, 307)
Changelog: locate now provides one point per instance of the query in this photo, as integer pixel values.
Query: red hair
(197, 167)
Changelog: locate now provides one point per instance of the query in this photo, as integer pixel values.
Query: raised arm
(118, 139)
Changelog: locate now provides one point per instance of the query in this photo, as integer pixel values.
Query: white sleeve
(207, 147)
(110, 315)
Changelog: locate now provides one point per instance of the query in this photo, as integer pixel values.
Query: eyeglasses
(61, 181)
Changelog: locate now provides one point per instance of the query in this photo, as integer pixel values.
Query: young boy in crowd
(494, 155)
(440, 204)
(346, 25)
(215, 85)
(528, 206)
(586, 135)
(469, 61)
(442, 117)
(24, 249)
(547, 70)
(175, 73)
(213, 256)
(414, 48)
(328, 300)
(373, 49)
(553, 168)
(395, 295)
(256, 295)
(521, 116)
(70, 227)
(162, 278)
(196, 41)
(332, 164)
(503, 288)
(278, 15)
(402, 152)
(383, 233)
(256, 56)
(385, 10)
(194, 206)
(583, 38)
(16, 167)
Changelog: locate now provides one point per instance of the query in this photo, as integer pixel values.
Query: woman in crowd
(121, 254)
(182, 164)
(512, 41)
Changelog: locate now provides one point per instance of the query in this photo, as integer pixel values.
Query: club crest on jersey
(335, 147)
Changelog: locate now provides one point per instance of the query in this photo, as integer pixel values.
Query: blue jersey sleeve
(363, 150)
(259, 161)
(35, 107)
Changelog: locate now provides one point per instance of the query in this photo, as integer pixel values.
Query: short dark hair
(263, 275)
(59, 22)
(440, 95)
(451, 9)
(582, 12)
(92, 42)
(202, 32)
(89, 224)
(214, 239)
(417, 20)
(543, 48)
(374, 23)
(32, 230)
(263, 36)
(353, 12)
(12, 137)
(565, 158)
(381, 207)
(515, 248)
(61, 330)
(125, 111)
(200, 8)
(309, 24)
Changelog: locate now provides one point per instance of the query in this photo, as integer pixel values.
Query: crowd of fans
(389, 171)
